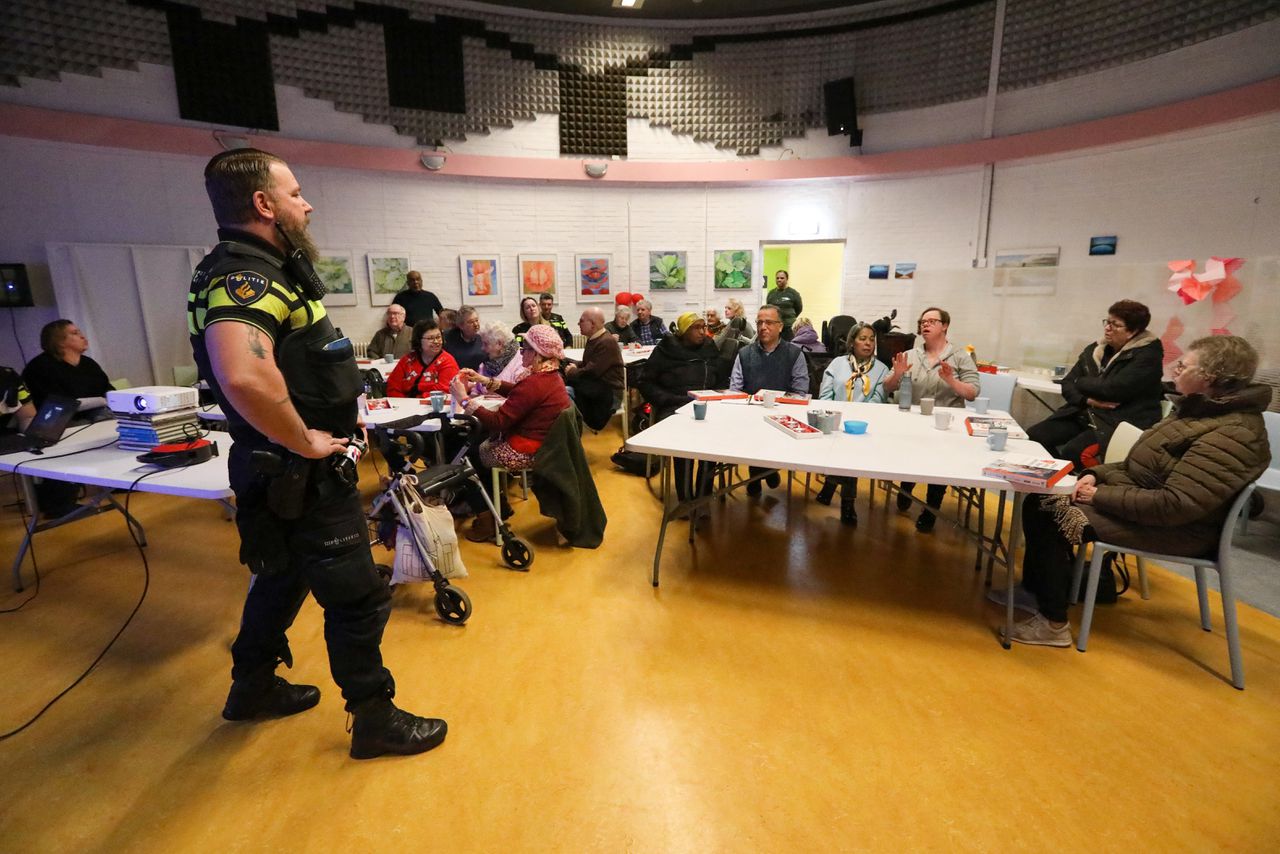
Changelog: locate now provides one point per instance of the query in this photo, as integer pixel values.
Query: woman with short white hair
(620, 326)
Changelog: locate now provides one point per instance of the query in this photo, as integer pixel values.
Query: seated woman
(681, 363)
(1116, 379)
(940, 371)
(517, 428)
(426, 367)
(736, 322)
(500, 350)
(530, 315)
(620, 326)
(857, 377)
(64, 369)
(804, 336)
(1171, 493)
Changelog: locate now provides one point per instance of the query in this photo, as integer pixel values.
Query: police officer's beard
(301, 239)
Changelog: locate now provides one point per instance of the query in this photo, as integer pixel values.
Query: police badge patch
(246, 287)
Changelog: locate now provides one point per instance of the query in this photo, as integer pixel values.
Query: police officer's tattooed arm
(243, 361)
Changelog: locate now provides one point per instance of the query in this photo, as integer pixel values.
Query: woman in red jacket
(518, 428)
(426, 367)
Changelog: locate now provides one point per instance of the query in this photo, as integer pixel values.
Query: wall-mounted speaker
(15, 290)
(841, 108)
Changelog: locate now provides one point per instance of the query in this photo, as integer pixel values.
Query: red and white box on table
(705, 394)
(793, 427)
(782, 397)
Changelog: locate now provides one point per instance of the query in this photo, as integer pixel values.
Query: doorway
(815, 268)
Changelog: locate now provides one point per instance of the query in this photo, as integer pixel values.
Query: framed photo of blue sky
(1102, 245)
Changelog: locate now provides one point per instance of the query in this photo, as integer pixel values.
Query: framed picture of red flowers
(481, 279)
(594, 277)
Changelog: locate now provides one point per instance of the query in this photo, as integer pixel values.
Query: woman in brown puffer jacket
(1172, 492)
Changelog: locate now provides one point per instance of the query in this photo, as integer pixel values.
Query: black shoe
(848, 515)
(773, 479)
(753, 488)
(904, 501)
(379, 728)
(924, 524)
(827, 492)
(270, 697)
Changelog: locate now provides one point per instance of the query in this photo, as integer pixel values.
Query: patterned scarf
(493, 367)
(860, 372)
(1069, 518)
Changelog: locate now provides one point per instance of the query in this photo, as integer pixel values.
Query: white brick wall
(1209, 193)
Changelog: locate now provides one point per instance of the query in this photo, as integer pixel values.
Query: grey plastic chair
(1221, 563)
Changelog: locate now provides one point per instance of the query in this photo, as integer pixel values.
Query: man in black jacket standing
(1116, 379)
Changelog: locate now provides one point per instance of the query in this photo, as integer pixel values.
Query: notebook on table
(45, 429)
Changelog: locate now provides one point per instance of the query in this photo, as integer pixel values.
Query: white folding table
(89, 456)
(1041, 383)
(898, 446)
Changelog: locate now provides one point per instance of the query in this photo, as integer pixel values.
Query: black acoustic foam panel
(222, 71)
(593, 112)
(424, 65)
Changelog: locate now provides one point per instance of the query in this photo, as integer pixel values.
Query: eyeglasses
(1180, 366)
(1113, 324)
(432, 339)
(931, 321)
(769, 323)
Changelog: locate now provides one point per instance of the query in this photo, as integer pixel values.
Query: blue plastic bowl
(855, 427)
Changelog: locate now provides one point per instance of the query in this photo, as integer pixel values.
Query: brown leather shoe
(483, 528)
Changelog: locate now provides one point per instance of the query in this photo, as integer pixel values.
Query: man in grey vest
(769, 363)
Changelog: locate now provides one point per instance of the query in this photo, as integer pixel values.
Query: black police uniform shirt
(249, 290)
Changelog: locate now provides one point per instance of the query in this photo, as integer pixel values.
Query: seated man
(447, 319)
(1116, 379)
(596, 381)
(545, 303)
(463, 343)
(394, 338)
(620, 326)
(648, 329)
(769, 363)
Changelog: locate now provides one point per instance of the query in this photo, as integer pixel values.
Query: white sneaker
(1038, 631)
(1023, 599)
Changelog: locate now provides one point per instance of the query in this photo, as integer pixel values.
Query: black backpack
(374, 385)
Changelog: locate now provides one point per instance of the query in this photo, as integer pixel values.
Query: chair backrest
(998, 389)
(834, 331)
(121, 382)
(1166, 406)
(816, 363)
(1238, 508)
(1122, 441)
(1272, 420)
(185, 375)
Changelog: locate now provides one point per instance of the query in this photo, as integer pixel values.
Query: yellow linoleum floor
(792, 686)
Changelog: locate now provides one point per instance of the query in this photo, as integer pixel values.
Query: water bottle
(904, 393)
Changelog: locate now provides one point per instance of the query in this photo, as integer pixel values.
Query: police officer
(288, 383)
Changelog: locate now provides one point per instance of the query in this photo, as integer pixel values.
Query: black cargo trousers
(324, 551)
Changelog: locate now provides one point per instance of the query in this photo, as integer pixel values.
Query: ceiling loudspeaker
(433, 160)
(841, 110)
(595, 170)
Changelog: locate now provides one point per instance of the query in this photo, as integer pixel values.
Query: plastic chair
(1221, 563)
(998, 389)
(121, 383)
(1270, 479)
(498, 472)
(185, 375)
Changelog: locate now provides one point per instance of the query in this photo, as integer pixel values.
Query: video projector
(150, 399)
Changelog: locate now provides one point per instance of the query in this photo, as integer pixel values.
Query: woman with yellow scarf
(856, 377)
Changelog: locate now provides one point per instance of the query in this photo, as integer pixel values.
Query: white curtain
(131, 303)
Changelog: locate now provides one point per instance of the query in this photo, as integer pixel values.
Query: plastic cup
(926, 406)
(699, 410)
(855, 427)
(997, 439)
(981, 405)
(942, 419)
(389, 358)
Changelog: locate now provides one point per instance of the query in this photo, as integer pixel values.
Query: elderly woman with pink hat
(518, 428)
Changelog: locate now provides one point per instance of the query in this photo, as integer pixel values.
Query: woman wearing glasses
(938, 370)
(426, 367)
(1115, 379)
(1170, 494)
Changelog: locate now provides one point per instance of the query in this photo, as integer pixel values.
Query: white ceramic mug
(981, 405)
(926, 406)
(770, 398)
(942, 419)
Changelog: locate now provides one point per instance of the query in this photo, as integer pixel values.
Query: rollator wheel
(453, 605)
(516, 553)
(383, 570)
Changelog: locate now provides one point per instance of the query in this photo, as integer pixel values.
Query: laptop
(45, 429)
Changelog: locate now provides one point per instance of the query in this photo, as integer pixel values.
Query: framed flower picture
(387, 271)
(732, 269)
(594, 283)
(481, 278)
(537, 275)
(336, 269)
